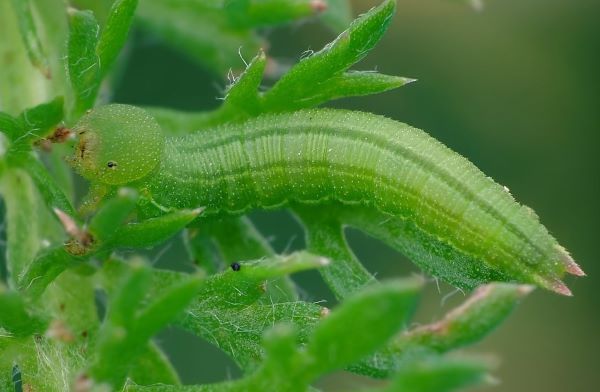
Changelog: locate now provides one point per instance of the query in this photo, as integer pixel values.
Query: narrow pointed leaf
(44, 269)
(83, 64)
(438, 375)
(29, 33)
(232, 289)
(243, 94)
(352, 84)
(117, 343)
(14, 316)
(254, 13)
(22, 236)
(10, 126)
(53, 196)
(112, 214)
(39, 120)
(201, 249)
(238, 239)
(468, 323)
(152, 231)
(480, 314)
(305, 78)
(361, 325)
(129, 324)
(114, 34)
(153, 367)
(167, 306)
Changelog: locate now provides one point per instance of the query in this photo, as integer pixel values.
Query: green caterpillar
(366, 161)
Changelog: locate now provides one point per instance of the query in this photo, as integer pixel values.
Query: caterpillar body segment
(444, 204)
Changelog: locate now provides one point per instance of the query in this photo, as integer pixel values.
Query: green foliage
(213, 32)
(57, 334)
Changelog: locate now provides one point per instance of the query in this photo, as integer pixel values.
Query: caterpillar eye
(111, 164)
(236, 266)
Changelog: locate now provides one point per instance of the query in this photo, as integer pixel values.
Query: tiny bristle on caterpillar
(361, 159)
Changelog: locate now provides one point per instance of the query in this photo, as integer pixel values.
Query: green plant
(156, 172)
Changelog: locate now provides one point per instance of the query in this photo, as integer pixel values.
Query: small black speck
(111, 164)
(235, 266)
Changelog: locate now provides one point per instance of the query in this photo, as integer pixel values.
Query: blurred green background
(516, 89)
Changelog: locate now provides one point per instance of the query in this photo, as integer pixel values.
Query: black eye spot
(111, 164)
(235, 266)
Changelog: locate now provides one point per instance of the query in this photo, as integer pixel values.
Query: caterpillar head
(117, 144)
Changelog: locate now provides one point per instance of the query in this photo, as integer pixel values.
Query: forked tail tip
(560, 288)
(570, 265)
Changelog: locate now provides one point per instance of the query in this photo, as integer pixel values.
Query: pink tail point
(574, 269)
(560, 288)
(570, 265)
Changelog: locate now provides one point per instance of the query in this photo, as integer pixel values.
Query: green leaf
(35, 51)
(112, 214)
(153, 367)
(126, 301)
(254, 13)
(361, 325)
(228, 314)
(168, 305)
(129, 324)
(480, 314)
(232, 289)
(238, 239)
(204, 35)
(117, 343)
(316, 79)
(242, 94)
(14, 316)
(83, 63)
(353, 84)
(297, 88)
(325, 236)
(152, 231)
(357, 327)
(23, 85)
(53, 196)
(239, 332)
(201, 249)
(114, 34)
(44, 269)
(438, 375)
(22, 236)
(485, 309)
(40, 120)
(10, 126)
